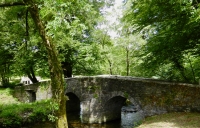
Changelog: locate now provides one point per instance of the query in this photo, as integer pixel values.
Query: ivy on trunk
(57, 82)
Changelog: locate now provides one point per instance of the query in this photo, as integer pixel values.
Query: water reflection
(74, 122)
(130, 117)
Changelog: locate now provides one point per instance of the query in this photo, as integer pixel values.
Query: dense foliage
(171, 31)
(69, 24)
(156, 38)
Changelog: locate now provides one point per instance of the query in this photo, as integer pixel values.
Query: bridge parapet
(102, 97)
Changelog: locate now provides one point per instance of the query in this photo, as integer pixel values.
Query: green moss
(93, 88)
(95, 95)
(126, 95)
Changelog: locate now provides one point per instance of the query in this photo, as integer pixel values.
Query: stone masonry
(100, 98)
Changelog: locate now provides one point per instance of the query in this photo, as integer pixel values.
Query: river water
(75, 122)
(128, 120)
(130, 117)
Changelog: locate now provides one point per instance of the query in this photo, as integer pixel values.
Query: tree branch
(12, 4)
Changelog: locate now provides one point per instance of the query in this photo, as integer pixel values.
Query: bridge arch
(150, 96)
(125, 95)
(112, 107)
(73, 102)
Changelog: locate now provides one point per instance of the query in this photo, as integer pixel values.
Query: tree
(130, 46)
(75, 16)
(168, 27)
(7, 54)
(62, 18)
(57, 82)
(76, 46)
(6, 60)
(20, 38)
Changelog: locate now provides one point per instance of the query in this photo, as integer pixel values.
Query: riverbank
(169, 120)
(14, 114)
(172, 120)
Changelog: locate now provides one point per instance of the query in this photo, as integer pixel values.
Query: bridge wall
(33, 92)
(101, 97)
(151, 96)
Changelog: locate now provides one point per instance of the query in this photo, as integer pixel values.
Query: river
(128, 120)
(75, 122)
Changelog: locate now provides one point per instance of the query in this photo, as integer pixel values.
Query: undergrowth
(16, 115)
(6, 96)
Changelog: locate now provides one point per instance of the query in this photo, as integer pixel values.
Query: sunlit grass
(6, 97)
(16, 114)
(172, 120)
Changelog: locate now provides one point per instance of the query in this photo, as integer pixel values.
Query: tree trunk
(193, 74)
(57, 81)
(67, 69)
(4, 74)
(127, 62)
(31, 75)
(110, 66)
(181, 69)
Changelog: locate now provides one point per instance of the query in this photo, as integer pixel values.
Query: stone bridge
(100, 98)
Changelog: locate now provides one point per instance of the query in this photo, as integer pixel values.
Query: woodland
(58, 38)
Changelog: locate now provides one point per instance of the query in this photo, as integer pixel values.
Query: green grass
(172, 120)
(25, 113)
(6, 96)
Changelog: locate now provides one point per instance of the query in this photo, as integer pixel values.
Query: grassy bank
(172, 120)
(16, 114)
(6, 97)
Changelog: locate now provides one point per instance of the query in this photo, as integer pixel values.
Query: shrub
(16, 115)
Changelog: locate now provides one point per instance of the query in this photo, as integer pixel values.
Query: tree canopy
(52, 22)
(155, 38)
(70, 24)
(171, 31)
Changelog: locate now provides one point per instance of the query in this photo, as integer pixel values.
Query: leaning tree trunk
(67, 69)
(31, 75)
(57, 81)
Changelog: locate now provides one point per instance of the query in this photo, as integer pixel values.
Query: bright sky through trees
(112, 15)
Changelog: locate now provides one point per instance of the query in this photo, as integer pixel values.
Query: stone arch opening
(73, 104)
(112, 108)
(31, 95)
(124, 109)
(72, 108)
